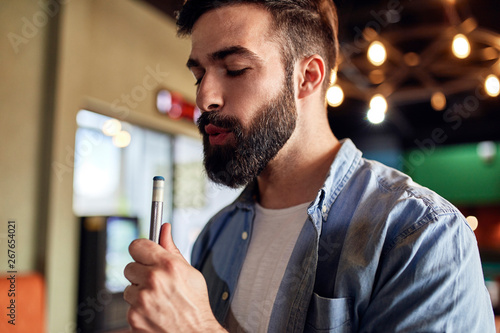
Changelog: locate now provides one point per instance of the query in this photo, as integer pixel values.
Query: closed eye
(230, 73)
(237, 72)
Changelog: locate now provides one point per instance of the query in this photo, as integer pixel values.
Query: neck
(299, 170)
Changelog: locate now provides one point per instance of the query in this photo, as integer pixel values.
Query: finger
(136, 273)
(138, 314)
(145, 252)
(138, 324)
(166, 240)
(130, 294)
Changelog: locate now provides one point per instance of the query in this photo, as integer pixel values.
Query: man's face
(247, 101)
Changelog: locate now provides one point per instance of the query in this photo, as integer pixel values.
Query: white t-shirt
(274, 234)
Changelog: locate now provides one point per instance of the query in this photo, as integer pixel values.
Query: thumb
(166, 240)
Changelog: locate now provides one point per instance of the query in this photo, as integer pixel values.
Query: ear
(311, 73)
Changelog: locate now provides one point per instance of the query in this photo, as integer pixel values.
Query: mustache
(217, 119)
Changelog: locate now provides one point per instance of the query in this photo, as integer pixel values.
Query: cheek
(246, 97)
(245, 105)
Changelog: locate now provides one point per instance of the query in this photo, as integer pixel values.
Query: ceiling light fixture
(461, 46)
(375, 116)
(378, 103)
(335, 96)
(492, 85)
(111, 127)
(377, 53)
(438, 101)
(473, 222)
(376, 76)
(122, 139)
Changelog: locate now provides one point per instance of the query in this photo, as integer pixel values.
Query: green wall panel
(457, 173)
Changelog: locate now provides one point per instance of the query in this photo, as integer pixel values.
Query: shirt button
(225, 295)
(324, 209)
(244, 235)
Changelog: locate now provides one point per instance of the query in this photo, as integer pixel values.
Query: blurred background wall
(58, 57)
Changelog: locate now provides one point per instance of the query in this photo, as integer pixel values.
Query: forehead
(245, 25)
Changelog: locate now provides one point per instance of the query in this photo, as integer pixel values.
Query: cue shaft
(156, 208)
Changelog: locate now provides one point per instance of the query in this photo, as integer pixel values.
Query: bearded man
(320, 240)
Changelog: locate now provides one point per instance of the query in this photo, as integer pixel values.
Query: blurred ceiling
(417, 35)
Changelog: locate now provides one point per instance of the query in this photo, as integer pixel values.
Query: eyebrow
(226, 52)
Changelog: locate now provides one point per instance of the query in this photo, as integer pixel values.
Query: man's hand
(167, 294)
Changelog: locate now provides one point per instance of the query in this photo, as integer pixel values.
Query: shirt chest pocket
(331, 315)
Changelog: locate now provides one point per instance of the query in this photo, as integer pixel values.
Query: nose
(209, 95)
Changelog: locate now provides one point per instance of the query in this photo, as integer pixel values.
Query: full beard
(236, 165)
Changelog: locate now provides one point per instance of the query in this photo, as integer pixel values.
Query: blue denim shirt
(378, 253)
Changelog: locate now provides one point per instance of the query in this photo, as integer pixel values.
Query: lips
(217, 135)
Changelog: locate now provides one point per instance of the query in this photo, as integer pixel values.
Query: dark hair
(305, 27)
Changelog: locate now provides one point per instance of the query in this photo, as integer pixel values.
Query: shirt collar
(341, 170)
(248, 197)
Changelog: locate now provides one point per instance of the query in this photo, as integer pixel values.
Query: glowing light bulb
(492, 85)
(461, 46)
(335, 96)
(438, 101)
(122, 139)
(473, 222)
(375, 116)
(377, 53)
(376, 76)
(111, 127)
(378, 103)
